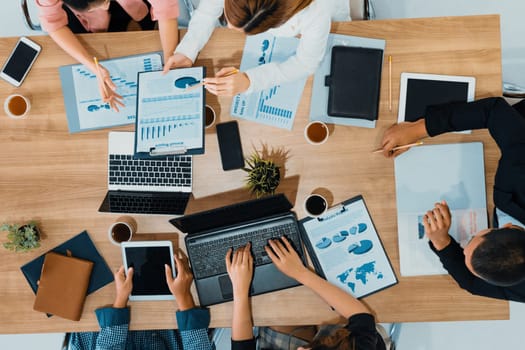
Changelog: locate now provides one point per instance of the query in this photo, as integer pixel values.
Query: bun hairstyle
(257, 16)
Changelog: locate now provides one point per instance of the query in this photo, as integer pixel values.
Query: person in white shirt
(308, 19)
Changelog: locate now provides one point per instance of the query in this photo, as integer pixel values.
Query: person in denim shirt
(114, 332)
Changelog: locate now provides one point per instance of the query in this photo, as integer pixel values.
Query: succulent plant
(263, 175)
(21, 238)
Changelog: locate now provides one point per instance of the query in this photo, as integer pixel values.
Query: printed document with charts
(429, 174)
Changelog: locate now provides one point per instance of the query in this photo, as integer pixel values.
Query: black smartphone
(230, 145)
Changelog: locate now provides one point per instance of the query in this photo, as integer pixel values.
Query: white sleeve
(201, 26)
(315, 28)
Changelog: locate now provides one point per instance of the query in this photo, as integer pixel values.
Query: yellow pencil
(401, 147)
(390, 83)
(103, 83)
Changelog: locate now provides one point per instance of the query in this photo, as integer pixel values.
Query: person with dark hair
(114, 334)
(308, 19)
(492, 264)
(62, 19)
(358, 334)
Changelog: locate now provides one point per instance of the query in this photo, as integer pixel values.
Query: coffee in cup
(316, 132)
(17, 106)
(209, 116)
(122, 230)
(315, 205)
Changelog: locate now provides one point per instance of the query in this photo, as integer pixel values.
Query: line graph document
(170, 117)
(85, 109)
(276, 106)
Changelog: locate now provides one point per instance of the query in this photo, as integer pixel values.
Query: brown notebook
(63, 286)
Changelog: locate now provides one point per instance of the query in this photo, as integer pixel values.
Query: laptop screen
(232, 214)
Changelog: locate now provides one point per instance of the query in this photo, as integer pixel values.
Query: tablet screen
(423, 93)
(149, 277)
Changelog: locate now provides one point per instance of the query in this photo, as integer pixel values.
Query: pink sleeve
(51, 14)
(164, 9)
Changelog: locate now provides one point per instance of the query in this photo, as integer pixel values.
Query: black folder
(354, 82)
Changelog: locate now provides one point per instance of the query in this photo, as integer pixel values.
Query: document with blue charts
(170, 113)
(319, 100)
(276, 106)
(85, 109)
(429, 174)
(346, 250)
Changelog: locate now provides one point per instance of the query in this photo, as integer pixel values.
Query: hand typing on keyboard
(284, 256)
(239, 264)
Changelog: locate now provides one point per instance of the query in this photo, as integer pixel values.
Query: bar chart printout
(84, 106)
(169, 116)
(276, 106)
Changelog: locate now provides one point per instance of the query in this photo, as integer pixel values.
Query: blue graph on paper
(276, 106)
(169, 116)
(92, 111)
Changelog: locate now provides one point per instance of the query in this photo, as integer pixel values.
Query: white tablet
(147, 259)
(418, 91)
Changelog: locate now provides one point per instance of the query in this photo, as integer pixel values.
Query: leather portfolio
(63, 286)
(354, 82)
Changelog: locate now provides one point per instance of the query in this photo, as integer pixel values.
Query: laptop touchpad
(226, 287)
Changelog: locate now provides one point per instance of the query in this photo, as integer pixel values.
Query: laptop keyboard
(208, 257)
(172, 171)
(148, 203)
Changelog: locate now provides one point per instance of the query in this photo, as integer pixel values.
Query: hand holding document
(107, 87)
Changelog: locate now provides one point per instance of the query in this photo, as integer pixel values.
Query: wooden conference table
(60, 179)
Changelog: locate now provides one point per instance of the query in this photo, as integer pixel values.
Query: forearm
(200, 28)
(169, 36)
(242, 323)
(65, 38)
(344, 303)
(185, 302)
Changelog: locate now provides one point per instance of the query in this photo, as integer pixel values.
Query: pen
(103, 83)
(191, 87)
(401, 147)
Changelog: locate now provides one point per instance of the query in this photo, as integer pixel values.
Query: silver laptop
(161, 185)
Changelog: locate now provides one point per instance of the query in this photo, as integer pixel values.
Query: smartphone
(230, 145)
(20, 61)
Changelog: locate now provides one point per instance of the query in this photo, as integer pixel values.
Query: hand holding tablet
(148, 260)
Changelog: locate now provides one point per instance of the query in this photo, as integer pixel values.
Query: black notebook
(354, 82)
(81, 246)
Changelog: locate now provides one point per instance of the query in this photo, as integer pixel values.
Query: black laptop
(211, 233)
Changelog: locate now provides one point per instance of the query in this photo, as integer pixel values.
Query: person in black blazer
(493, 262)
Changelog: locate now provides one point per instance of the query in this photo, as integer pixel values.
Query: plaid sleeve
(196, 339)
(114, 325)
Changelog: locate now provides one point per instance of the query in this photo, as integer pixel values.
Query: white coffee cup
(315, 205)
(17, 106)
(316, 132)
(122, 230)
(209, 114)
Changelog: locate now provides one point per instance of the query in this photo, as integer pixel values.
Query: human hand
(177, 60)
(437, 223)
(181, 284)
(286, 258)
(227, 82)
(123, 285)
(240, 269)
(402, 134)
(108, 89)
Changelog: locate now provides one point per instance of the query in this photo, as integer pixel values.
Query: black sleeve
(453, 261)
(362, 328)
(505, 124)
(243, 344)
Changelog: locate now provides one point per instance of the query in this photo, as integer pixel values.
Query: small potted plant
(21, 238)
(263, 175)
